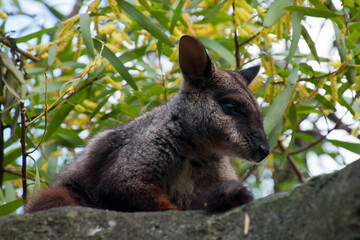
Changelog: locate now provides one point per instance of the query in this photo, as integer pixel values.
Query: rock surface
(326, 207)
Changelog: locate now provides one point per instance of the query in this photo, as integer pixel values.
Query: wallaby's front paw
(226, 196)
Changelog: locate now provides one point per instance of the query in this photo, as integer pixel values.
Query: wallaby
(175, 157)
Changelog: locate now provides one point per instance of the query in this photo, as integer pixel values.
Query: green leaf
(350, 73)
(176, 15)
(161, 17)
(52, 86)
(14, 70)
(214, 11)
(37, 34)
(193, 4)
(349, 3)
(86, 34)
(52, 167)
(275, 134)
(57, 119)
(37, 178)
(313, 12)
(145, 22)
(128, 110)
(145, 4)
(349, 43)
(276, 12)
(352, 147)
(296, 23)
(133, 54)
(98, 107)
(70, 136)
(12, 155)
(52, 54)
(115, 61)
(310, 43)
(10, 207)
(219, 49)
(293, 76)
(10, 193)
(276, 111)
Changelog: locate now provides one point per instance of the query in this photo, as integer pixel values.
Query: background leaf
(144, 22)
(276, 12)
(86, 34)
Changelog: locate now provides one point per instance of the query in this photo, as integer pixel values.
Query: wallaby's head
(221, 108)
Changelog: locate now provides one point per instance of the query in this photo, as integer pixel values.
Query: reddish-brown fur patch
(161, 199)
(50, 198)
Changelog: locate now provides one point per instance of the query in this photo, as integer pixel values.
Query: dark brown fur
(175, 157)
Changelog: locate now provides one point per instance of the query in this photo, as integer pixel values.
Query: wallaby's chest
(189, 182)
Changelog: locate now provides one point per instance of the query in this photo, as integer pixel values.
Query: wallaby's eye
(230, 108)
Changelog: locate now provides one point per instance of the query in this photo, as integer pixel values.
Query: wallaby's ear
(194, 62)
(250, 73)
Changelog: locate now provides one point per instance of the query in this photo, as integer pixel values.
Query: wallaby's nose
(263, 150)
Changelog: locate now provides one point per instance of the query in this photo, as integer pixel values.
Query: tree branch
(23, 149)
(12, 45)
(1, 153)
(75, 9)
(249, 172)
(20, 175)
(237, 54)
(299, 174)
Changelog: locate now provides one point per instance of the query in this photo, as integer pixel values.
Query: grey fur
(182, 147)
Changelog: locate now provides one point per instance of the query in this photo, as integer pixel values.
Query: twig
(299, 174)
(237, 54)
(23, 149)
(248, 40)
(75, 9)
(1, 153)
(337, 122)
(308, 146)
(249, 172)
(7, 42)
(19, 174)
(45, 115)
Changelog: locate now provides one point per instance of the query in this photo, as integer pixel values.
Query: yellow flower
(302, 91)
(321, 84)
(125, 19)
(90, 104)
(279, 29)
(71, 21)
(270, 162)
(349, 57)
(107, 28)
(153, 46)
(79, 108)
(57, 153)
(116, 85)
(245, 5)
(174, 55)
(334, 92)
(3, 15)
(355, 131)
(256, 84)
(335, 64)
(114, 7)
(94, 5)
(122, 97)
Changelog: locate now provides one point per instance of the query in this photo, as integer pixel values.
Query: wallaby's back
(175, 156)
